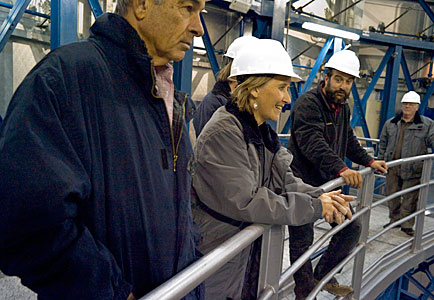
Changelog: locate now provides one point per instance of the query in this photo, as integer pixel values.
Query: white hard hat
(266, 57)
(238, 44)
(411, 97)
(345, 61)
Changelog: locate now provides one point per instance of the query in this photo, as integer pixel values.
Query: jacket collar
(320, 95)
(222, 88)
(417, 119)
(121, 43)
(258, 135)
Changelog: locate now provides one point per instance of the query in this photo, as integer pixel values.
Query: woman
(242, 174)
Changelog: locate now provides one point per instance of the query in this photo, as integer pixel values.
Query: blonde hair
(241, 94)
(224, 72)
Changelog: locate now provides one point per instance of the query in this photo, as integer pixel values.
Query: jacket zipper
(174, 149)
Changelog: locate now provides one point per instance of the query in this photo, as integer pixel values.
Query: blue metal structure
(209, 49)
(399, 289)
(11, 21)
(183, 71)
(63, 22)
(27, 11)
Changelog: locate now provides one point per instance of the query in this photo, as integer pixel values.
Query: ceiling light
(331, 31)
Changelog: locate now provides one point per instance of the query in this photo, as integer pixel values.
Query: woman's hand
(335, 206)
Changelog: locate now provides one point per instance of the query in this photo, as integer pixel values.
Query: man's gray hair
(122, 6)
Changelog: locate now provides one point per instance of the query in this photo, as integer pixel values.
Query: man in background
(407, 134)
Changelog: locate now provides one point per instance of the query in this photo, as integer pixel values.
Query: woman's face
(271, 97)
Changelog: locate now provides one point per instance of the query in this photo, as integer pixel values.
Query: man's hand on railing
(352, 177)
(335, 206)
(131, 297)
(380, 166)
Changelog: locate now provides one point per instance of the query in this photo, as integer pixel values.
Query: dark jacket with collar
(91, 205)
(320, 141)
(417, 138)
(219, 95)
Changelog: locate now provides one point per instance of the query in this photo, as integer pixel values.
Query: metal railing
(270, 277)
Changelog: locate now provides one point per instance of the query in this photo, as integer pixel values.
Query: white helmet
(238, 44)
(265, 57)
(345, 61)
(411, 97)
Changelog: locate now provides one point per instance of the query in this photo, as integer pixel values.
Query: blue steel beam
(425, 98)
(11, 21)
(96, 8)
(63, 22)
(427, 9)
(406, 72)
(27, 11)
(209, 49)
(183, 71)
(390, 88)
(370, 89)
(361, 112)
(317, 65)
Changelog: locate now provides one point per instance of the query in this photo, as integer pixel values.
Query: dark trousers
(400, 208)
(301, 238)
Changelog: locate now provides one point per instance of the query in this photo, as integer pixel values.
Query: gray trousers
(228, 281)
(401, 207)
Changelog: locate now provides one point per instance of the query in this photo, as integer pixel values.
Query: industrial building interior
(393, 39)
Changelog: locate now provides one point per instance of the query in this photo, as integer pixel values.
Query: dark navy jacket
(91, 205)
(320, 140)
(219, 95)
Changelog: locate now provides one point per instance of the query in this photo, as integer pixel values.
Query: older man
(321, 138)
(94, 187)
(407, 134)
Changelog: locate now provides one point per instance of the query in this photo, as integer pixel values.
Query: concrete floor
(11, 289)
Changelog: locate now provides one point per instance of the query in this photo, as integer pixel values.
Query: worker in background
(94, 187)
(221, 91)
(321, 138)
(242, 174)
(407, 134)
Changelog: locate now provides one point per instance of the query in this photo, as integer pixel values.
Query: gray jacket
(417, 138)
(242, 173)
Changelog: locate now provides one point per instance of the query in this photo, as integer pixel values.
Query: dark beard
(331, 96)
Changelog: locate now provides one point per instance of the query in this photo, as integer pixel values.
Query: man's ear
(140, 8)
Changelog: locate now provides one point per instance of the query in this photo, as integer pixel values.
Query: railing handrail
(185, 281)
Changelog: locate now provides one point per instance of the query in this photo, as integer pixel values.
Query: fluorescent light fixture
(331, 31)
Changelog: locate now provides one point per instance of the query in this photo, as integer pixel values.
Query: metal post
(421, 204)
(271, 260)
(278, 23)
(63, 22)
(365, 195)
